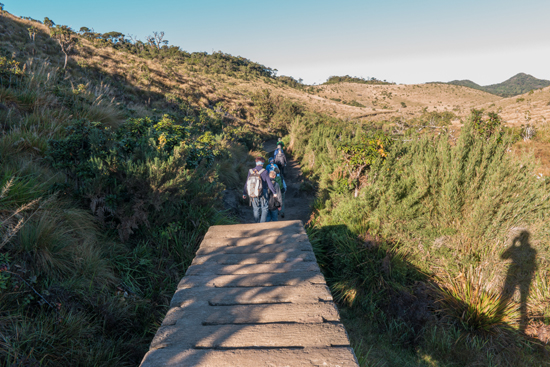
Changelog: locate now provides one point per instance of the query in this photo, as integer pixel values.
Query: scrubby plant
(485, 126)
(137, 170)
(276, 111)
(428, 212)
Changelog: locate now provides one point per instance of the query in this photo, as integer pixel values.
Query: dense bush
(275, 111)
(418, 248)
(139, 174)
(351, 79)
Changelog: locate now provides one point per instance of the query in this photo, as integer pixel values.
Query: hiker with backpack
(256, 186)
(275, 201)
(280, 159)
(272, 166)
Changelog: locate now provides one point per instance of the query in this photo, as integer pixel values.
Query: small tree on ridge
(65, 36)
(48, 22)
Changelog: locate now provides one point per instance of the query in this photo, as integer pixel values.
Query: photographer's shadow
(520, 274)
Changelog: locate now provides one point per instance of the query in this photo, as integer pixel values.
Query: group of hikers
(266, 187)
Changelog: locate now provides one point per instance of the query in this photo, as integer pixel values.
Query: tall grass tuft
(476, 311)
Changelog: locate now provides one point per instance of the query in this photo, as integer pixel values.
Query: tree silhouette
(157, 40)
(48, 22)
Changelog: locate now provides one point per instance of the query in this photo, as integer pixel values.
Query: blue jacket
(266, 182)
(271, 167)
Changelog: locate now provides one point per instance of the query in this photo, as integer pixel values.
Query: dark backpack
(254, 183)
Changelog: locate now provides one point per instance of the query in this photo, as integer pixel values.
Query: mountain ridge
(516, 85)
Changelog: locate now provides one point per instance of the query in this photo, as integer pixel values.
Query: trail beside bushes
(298, 198)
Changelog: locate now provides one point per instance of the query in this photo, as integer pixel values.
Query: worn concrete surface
(253, 297)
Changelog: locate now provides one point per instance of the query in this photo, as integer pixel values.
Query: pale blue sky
(486, 41)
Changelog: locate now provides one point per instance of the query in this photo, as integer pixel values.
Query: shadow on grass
(403, 322)
(520, 274)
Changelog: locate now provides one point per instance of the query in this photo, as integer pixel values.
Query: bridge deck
(253, 296)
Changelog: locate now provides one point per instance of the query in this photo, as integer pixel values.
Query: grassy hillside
(386, 102)
(110, 174)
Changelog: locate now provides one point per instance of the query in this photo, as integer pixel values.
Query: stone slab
(303, 357)
(252, 295)
(255, 248)
(253, 280)
(278, 257)
(288, 225)
(201, 313)
(256, 230)
(270, 239)
(275, 313)
(252, 336)
(211, 269)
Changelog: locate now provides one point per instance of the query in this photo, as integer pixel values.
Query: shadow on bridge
(253, 296)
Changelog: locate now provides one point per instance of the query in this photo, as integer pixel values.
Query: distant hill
(466, 83)
(516, 85)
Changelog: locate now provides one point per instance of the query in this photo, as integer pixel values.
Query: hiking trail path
(297, 202)
(254, 296)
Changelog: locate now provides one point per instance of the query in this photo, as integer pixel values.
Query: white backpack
(254, 183)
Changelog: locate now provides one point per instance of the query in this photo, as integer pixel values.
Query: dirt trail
(297, 202)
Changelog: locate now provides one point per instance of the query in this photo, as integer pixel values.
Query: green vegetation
(102, 203)
(466, 83)
(276, 112)
(413, 236)
(354, 79)
(353, 103)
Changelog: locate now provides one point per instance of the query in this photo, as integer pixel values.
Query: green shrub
(353, 103)
(430, 209)
(137, 175)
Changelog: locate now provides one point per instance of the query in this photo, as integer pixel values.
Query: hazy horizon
(486, 42)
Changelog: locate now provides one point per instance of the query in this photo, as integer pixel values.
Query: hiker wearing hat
(256, 186)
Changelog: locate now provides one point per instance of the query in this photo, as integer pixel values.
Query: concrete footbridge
(253, 297)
